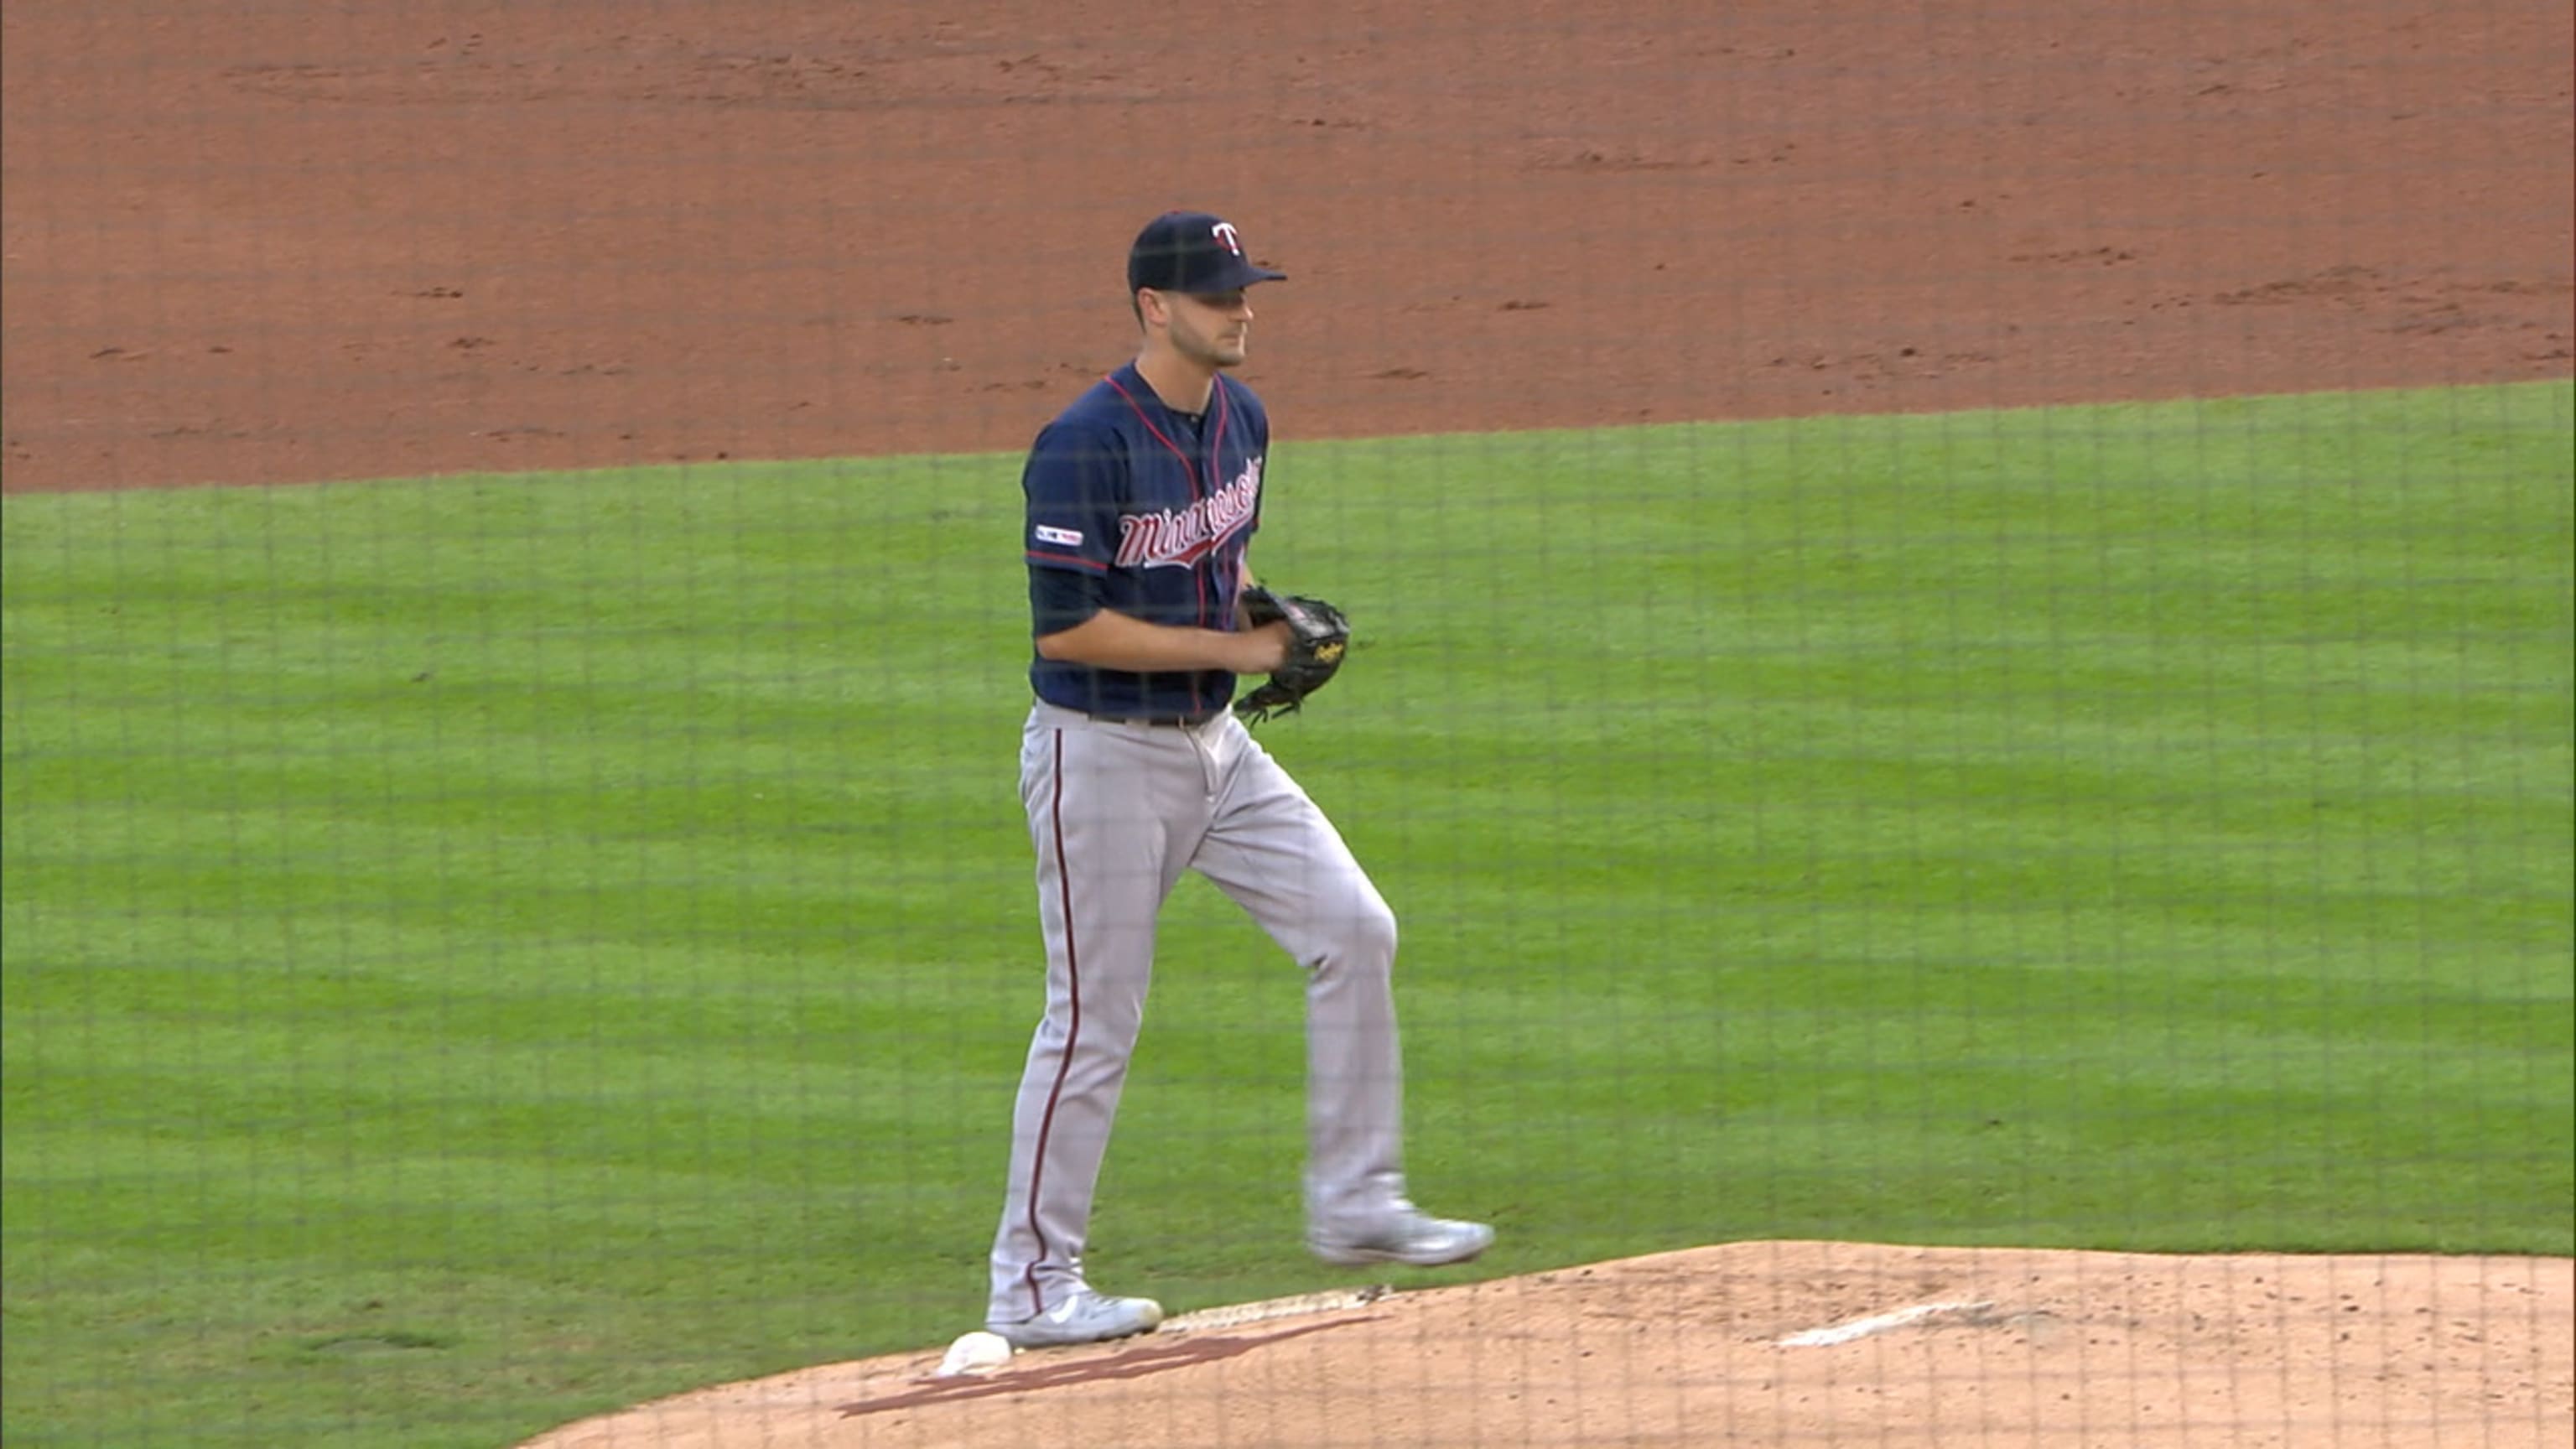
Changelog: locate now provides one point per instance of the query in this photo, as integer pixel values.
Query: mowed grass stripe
(485, 950)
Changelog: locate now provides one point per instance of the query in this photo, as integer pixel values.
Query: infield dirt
(250, 244)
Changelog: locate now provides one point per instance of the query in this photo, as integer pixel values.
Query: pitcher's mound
(1751, 1344)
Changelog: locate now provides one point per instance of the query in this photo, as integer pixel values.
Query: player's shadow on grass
(1137, 1363)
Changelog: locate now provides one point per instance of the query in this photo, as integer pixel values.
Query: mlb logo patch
(1069, 537)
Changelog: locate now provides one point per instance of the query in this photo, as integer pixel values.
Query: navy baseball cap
(1192, 252)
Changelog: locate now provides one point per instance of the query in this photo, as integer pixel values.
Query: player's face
(1211, 331)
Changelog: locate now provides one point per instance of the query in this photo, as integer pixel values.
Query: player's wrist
(1256, 650)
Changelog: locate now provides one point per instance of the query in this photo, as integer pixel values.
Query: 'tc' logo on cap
(1224, 231)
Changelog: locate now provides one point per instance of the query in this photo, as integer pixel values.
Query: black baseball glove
(1318, 636)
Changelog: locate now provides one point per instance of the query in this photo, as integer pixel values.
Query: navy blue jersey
(1146, 512)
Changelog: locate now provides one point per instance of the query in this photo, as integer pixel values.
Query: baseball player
(1142, 497)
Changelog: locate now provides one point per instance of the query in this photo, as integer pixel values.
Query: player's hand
(1258, 651)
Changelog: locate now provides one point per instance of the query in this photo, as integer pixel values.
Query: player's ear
(1149, 306)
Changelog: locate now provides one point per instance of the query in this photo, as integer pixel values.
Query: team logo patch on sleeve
(1069, 537)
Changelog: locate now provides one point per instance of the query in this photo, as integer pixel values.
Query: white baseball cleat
(1407, 1235)
(1083, 1317)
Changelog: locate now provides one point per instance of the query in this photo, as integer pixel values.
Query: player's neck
(1182, 384)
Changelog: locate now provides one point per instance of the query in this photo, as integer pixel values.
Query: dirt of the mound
(1757, 1344)
(254, 243)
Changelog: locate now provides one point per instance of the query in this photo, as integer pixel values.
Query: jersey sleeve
(1072, 483)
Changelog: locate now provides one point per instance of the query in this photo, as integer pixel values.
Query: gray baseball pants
(1117, 811)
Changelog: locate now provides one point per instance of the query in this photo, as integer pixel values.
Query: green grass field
(485, 951)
